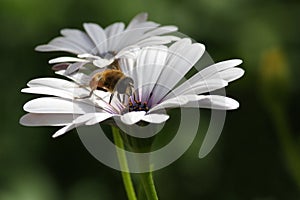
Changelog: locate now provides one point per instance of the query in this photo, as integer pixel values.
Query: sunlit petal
(132, 117)
(32, 119)
(156, 118)
(57, 105)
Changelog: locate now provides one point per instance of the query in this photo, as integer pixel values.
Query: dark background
(258, 154)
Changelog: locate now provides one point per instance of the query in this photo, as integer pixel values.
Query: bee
(113, 81)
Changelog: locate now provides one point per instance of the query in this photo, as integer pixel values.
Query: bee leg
(102, 89)
(124, 99)
(134, 97)
(85, 97)
(83, 86)
(119, 97)
(111, 97)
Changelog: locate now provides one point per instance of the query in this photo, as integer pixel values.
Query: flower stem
(123, 164)
(149, 187)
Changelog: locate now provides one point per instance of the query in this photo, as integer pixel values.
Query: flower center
(137, 106)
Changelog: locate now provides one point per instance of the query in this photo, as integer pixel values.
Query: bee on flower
(152, 77)
(127, 78)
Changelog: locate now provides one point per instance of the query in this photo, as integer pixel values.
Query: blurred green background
(258, 154)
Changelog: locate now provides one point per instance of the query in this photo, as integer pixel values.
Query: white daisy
(102, 46)
(156, 72)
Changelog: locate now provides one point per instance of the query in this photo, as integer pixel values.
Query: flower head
(157, 72)
(102, 46)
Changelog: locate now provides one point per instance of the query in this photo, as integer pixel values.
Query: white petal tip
(236, 61)
(66, 59)
(101, 63)
(132, 117)
(61, 131)
(23, 121)
(156, 118)
(232, 104)
(40, 48)
(57, 134)
(142, 15)
(88, 23)
(240, 73)
(201, 46)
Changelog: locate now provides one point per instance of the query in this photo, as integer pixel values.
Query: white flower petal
(49, 91)
(134, 32)
(99, 117)
(127, 66)
(223, 71)
(64, 130)
(83, 118)
(50, 47)
(198, 101)
(213, 102)
(215, 68)
(51, 82)
(198, 87)
(32, 119)
(128, 38)
(161, 30)
(156, 40)
(78, 37)
(132, 117)
(141, 17)
(55, 87)
(155, 118)
(150, 63)
(69, 90)
(57, 105)
(230, 74)
(102, 62)
(87, 55)
(66, 59)
(170, 103)
(113, 39)
(114, 34)
(86, 119)
(130, 52)
(182, 56)
(61, 44)
(142, 28)
(97, 34)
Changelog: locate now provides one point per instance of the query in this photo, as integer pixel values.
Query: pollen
(137, 106)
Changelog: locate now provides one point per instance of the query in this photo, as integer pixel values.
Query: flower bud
(274, 75)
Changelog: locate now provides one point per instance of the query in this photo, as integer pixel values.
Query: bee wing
(79, 78)
(97, 71)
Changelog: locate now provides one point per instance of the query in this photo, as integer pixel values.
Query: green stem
(123, 164)
(148, 183)
(290, 148)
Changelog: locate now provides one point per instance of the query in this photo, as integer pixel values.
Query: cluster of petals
(158, 72)
(102, 46)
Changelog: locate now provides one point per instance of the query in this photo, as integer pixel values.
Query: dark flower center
(138, 106)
